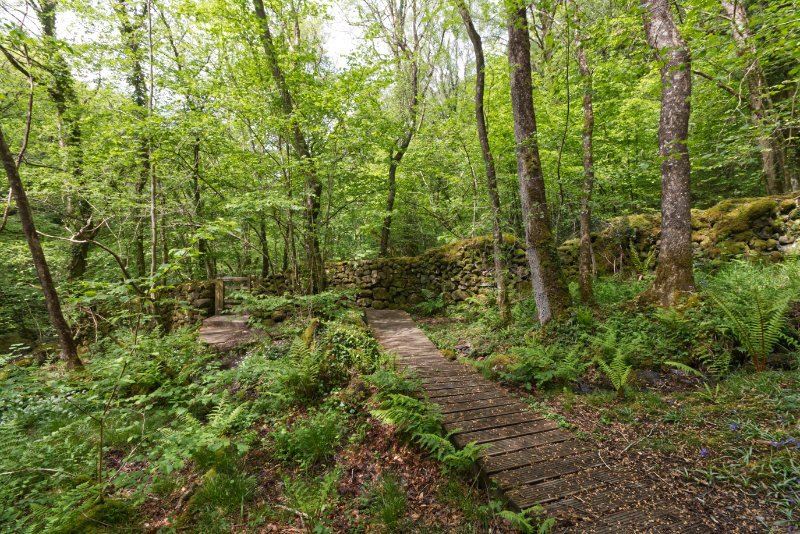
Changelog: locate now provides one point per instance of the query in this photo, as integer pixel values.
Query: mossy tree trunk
(585, 257)
(491, 176)
(674, 275)
(311, 201)
(69, 352)
(548, 283)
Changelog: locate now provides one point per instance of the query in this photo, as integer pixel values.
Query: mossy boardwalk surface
(530, 459)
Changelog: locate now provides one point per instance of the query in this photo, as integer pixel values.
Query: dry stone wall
(187, 303)
(456, 272)
(766, 227)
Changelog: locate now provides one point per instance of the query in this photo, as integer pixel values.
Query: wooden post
(219, 296)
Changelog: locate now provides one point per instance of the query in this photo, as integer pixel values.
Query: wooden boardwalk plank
(546, 470)
(453, 420)
(526, 442)
(495, 434)
(497, 421)
(476, 404)
(532, 456)
(531, 459)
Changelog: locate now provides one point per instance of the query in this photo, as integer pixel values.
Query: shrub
(755, 298)
(341, 350)
(312, 440)
(547, 364)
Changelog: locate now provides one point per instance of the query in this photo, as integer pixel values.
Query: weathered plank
(531, 459)
(534, 455)
(497, 421)
(546, 470)
(495, 434)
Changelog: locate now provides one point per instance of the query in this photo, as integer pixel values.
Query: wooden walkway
(531, 460)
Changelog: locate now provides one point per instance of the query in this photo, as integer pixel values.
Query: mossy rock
(108, 516)
(788, 205)
(449, 354)
(740, 218)
(732, 248)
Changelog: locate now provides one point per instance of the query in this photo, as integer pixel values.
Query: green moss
(740, 219)
(788, 205)
(732, 248)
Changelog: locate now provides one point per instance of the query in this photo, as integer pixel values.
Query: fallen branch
(638, 441)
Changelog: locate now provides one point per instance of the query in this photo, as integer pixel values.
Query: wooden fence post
(219, 296)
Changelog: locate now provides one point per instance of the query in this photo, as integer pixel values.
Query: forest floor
(724, 446)
(281, 434)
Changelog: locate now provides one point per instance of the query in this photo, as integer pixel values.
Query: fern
(685, 368)
(641, 267)
(759, 326)
(529, 520)
(617, 370)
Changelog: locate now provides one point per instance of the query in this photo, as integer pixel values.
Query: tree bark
(62, 93)
(503, 305)
(69, 352)
(585, 271)
(674, 275)
(770, 140)
(311, 202)
(139, 97)
(548, 283)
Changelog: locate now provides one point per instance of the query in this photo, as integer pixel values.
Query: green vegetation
(713, 381)
(207, 447)
(171, 162)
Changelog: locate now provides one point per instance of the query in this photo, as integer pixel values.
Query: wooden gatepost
(246, 282)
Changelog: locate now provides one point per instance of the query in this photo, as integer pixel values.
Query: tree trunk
(62, 93)
(311, 202)
(585, 270)
(402, 145)
(265, 260)
(771, 145)
(503, 305)
(69, 352)
(140, 98)
(549, 287)
(674, 274)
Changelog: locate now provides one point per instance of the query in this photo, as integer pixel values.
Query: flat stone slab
(226, 332)
(529, 457)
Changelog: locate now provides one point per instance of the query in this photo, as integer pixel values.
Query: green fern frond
(685, 368)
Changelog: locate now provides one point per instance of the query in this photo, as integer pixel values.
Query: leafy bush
(547, 364)
(312, 440)
(755, 298)
(344, 349)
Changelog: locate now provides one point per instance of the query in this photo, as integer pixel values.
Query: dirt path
(530, 459)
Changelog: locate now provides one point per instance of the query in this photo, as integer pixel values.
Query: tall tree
(311, 202)
(585, 256)
(491, 176)
(130, 28)
(549, 286)
(674, 274)
(69, 352)
(406, 27)
(770, 138)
